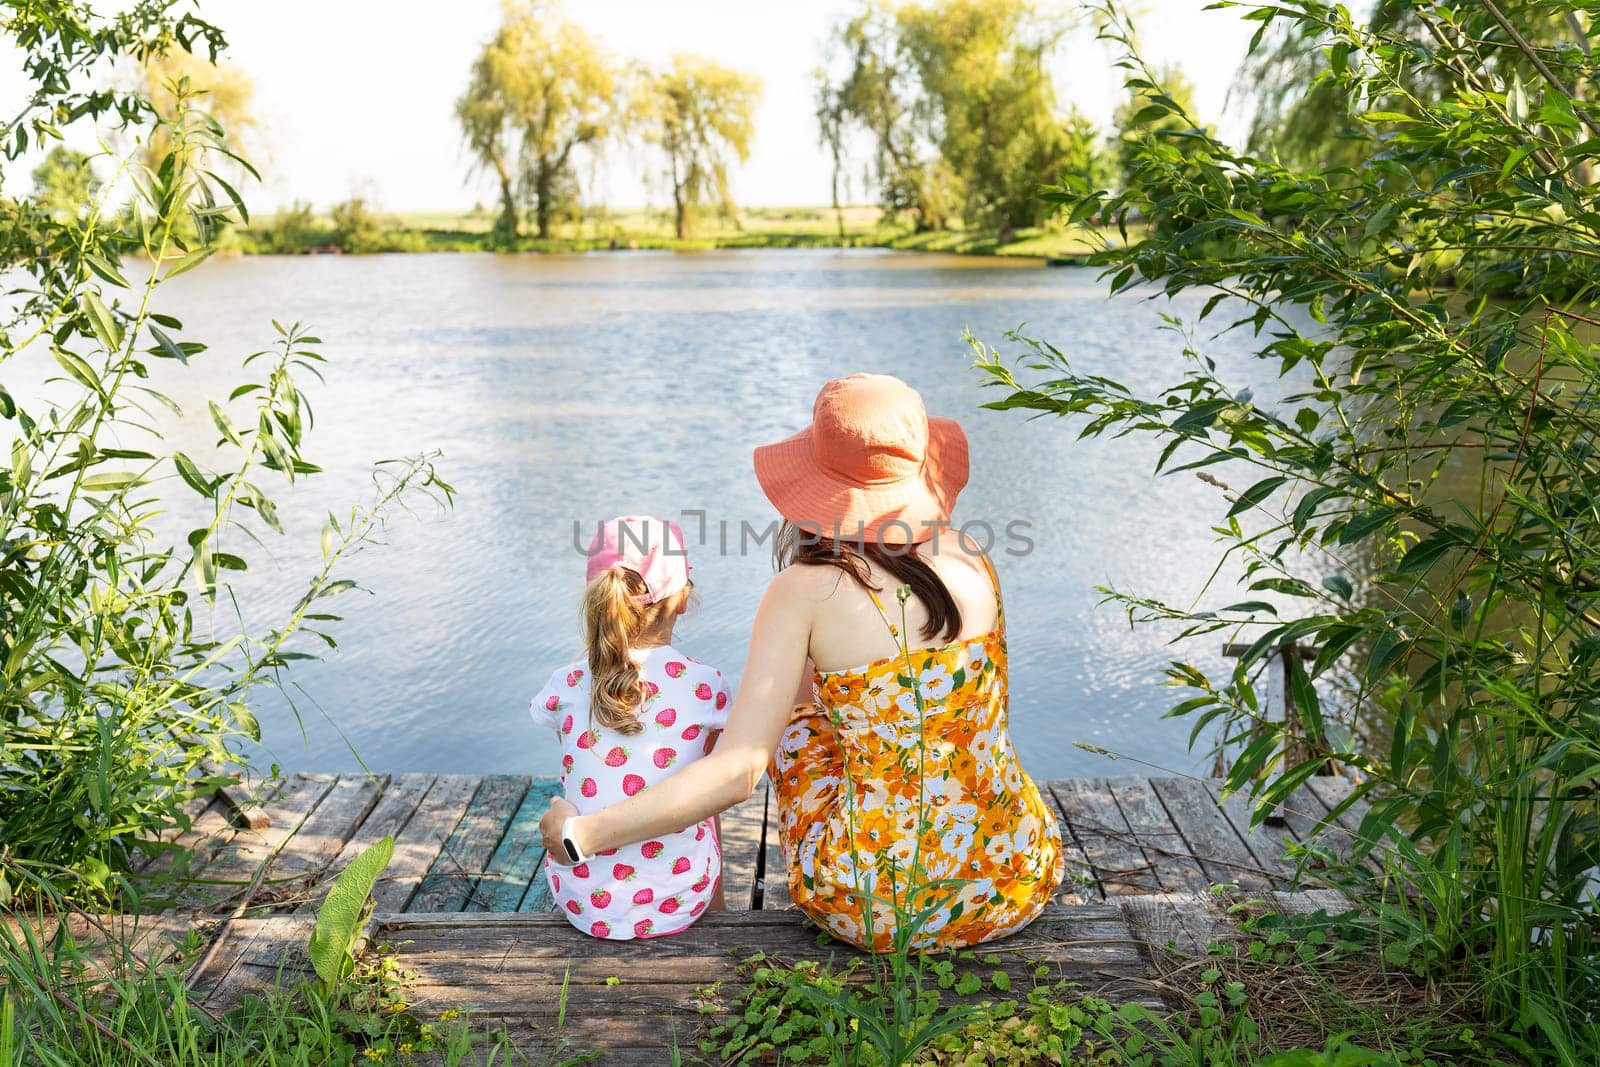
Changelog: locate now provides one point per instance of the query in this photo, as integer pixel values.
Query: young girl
(629, 714)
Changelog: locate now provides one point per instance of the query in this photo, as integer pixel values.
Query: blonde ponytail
(612, 619)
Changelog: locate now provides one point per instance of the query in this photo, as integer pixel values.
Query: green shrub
(1425, 512)
(357, 227)
(117, 696)
(293, 230)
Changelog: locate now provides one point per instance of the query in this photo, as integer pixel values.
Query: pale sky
(358, 95)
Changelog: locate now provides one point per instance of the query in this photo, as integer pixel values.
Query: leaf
(1255, 494)
(80, 370)
(110, 481)
(1338, 585)
(1149, 113)
(8, 407)
(101, 321)
(107, 270)
(1391, 644)
(245, 720)
(1425, 553)
(268, 512)
(1515, 159)
(1200, 416)
(192, 476)
(1306, 510)
(1388, 116)
(340, 918)
(1365, 523)
(224, 425)
(233, 194)
(168, 346)
(190, 261)
(208, 570)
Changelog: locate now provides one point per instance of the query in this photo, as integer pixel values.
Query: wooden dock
(465, 906)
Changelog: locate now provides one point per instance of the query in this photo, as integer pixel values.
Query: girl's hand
(559, 811)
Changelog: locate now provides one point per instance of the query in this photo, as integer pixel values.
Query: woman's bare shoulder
(808, 583)
(951, 545)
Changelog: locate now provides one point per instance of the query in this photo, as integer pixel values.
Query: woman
(874, 696)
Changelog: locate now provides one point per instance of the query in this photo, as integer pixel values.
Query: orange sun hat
(873, 465)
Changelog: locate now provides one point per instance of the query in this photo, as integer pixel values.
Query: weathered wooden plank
(741, 849)
(320, 839)
(465, 929)
(1208, 835)
(240, 804)
(774, 894)
(1080, 886)
(1333, 790)
(462, 859)
(208, 832)
(515, 969)
(1176, 870)
(1304, 815)
(538, 898)
(1182, 923)
(397, 802)
(512, 969)
(322, 836)
(1267, 844)
(1307, 901)
(417, 845)
(1118, 863)
(271, 955)
(236, 862)
(508, 980)
(516, 863)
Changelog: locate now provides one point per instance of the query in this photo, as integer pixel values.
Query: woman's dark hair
(795, 544)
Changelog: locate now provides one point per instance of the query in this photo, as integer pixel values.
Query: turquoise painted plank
(454, 876)
(515, 864)
(538, 897)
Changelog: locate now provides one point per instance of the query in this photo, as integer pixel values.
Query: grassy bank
(295, 231)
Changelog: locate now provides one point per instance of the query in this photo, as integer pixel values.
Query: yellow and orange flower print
(882, 804)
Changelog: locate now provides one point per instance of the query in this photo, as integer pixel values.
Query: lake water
(563, 389)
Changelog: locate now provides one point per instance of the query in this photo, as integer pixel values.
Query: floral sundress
(859, 768)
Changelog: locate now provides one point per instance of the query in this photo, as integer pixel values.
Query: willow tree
(988, 102)
(541, 89)
(957, 99)
(701, 115)
(873, 94)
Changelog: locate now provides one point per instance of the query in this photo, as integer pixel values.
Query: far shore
(769, 227)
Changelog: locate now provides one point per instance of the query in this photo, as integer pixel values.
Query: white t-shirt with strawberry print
(660, 886)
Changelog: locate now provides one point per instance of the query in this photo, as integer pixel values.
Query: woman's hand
(555, 816)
